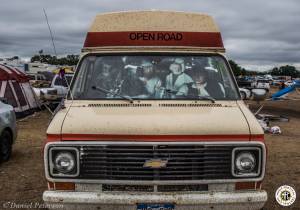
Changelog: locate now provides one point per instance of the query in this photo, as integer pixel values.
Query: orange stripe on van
(53, 137)
(257, 137)
(154, 38)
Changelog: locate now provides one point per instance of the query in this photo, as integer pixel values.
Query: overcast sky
(257, 34)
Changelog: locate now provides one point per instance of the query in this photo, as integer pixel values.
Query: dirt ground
(22, 178)
(283, 158)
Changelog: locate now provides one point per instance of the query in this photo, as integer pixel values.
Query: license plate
(166, 206)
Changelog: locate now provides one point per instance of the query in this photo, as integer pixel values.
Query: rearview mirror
(259, 94)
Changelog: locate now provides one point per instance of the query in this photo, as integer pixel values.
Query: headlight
(246, 162)
(63, 162)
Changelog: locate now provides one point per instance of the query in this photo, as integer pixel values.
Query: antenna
(51, 35)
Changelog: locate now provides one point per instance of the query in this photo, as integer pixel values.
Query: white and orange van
(154, 120)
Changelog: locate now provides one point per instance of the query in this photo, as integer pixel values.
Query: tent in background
(15, 88)
(68, 70)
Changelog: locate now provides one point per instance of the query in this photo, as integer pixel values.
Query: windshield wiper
(189, 95)
(207, 98)
(112, 93)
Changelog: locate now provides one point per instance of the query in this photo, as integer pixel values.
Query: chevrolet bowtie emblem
(155, 163)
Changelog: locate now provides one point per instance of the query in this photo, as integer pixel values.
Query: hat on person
(180, 61)
(146, 63)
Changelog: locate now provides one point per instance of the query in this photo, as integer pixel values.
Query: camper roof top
(154, 28)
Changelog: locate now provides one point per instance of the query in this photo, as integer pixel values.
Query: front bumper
(241, 200)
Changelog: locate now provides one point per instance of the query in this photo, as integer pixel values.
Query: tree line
(70, 60)
(286, 70)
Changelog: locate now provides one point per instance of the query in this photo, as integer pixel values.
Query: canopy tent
(15, 88)
(68, 70)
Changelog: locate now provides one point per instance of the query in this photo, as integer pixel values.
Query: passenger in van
(203, 87)
(106, 78)
(151, 81)
(177, 81)
(131, 84)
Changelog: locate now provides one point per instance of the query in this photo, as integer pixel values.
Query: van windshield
(191, 77)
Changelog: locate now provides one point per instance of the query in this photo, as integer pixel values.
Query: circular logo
(285, 195)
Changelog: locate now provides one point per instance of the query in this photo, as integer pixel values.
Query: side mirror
(259, 94)
(4, 100)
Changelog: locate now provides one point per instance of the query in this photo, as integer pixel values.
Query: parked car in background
(36, 77)
(268, 77)
(245, 93)
(270, 81)
(262, 84)
(245, 83)
(57, 90)
(48, 75)
(8, 131)
(38, 80)
(61, 84)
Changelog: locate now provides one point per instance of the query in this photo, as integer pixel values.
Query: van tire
(5, 146)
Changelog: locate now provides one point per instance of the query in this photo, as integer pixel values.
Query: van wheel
(5, 145)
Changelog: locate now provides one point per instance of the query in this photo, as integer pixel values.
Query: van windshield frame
(229, 88)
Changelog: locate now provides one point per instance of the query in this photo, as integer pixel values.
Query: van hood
(108, 121)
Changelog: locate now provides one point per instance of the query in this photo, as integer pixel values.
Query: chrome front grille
(153, 188)
(126, 162)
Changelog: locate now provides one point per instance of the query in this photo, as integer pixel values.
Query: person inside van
(151, 81)
(202, 86)
(177, 81)
(106, 77)
(131, 84)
